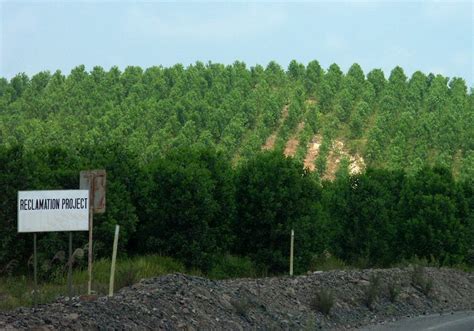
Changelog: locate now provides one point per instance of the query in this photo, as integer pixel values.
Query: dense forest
(214, 159)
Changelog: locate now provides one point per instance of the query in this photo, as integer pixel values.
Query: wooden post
(291, 251)
(114, 258)
(69, 273)
(91, 224)
(35, 271)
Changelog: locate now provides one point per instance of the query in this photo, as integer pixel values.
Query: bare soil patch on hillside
(312, 152)
(336, 154)
(293, 142)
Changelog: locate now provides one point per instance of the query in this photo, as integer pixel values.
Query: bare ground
(312, 152)
(293, 142)
(337, 152)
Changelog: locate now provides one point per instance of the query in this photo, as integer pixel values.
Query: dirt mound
(312, 152)
(179, 301)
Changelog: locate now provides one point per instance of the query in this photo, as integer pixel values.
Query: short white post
(114, 258)
(291, 251)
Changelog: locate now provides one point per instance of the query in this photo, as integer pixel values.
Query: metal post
(291, 252)
(91, 223)
(114, 258)
(35, 270)
(69, 274)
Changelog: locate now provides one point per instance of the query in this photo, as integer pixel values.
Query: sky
(431, 36)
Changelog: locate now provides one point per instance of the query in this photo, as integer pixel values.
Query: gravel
(178, 301)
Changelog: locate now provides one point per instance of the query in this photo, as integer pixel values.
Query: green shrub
(417, 261)
(372, 291)
(230, 266)
(322, 301)
(393, 291)
(326, 261)
(421, 281)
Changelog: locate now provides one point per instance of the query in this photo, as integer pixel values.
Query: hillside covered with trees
(392, 122)
(214, 159)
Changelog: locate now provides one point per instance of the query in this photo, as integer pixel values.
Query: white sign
(48, 211)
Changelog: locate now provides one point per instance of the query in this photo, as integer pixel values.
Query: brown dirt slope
(312, 152)
(293, 142)
(178, 301)
(337, 152)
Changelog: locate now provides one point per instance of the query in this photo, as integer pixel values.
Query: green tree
(186, 207)
(314, 76)
(366, 225)
(274, 195)
(378, 81)
(429, 226)
(296, 71)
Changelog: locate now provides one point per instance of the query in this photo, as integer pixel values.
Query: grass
(230, 266)
(130, 270)
(17, 291)
(326, 261)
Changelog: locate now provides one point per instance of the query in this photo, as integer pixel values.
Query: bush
(372, 291)
(326, 261)
(421, 281)
(393, 291)
(322, 301)
(232, 267)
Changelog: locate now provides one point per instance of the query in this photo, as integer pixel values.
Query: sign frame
(95, 181)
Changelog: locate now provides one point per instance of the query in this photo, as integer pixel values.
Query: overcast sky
(425, 35)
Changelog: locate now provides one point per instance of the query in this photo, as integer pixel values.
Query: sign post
(94, 181)
(69, 262)
(91, 228)
(35, 270)
(51, 211)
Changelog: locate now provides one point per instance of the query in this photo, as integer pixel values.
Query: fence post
(291, 251)
(114, 258)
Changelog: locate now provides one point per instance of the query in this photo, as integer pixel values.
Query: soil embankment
(178, 301)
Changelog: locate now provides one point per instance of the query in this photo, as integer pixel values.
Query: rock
(88, 298)
(72, 316)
